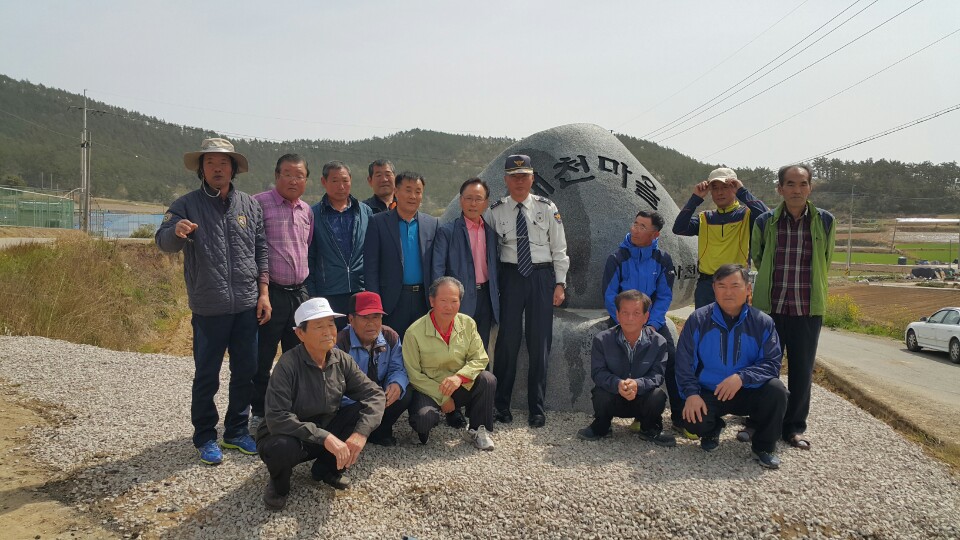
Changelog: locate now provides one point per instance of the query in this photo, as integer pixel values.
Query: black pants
(670, 378)
(483, 314)
(703, 293)
(765, 407)
(532, 296)
(425, 414)
(391, 414)
(411, 306)
(279, 329)
(799, 337)
(281, 453)
(647, 408)
(340, 303)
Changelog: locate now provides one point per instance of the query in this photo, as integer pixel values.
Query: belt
(482, 285)
(413, 288)
(535, 266)
(288, 288)
(704, 277)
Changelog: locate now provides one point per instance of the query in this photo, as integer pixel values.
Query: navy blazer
(383, 256)
(452, 257)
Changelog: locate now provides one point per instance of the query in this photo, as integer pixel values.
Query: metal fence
(30, 209)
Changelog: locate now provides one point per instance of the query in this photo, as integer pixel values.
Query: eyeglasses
(473, 199)
(291, 178)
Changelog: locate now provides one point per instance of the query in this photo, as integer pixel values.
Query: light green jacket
(429, 360)
(763, 248)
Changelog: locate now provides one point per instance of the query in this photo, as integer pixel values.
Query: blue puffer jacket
(224, 257)
(646, 269)
(708, 352)
(329, 272)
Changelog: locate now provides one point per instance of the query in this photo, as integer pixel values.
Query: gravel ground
(123, 445)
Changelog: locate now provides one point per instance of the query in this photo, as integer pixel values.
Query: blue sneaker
(244, 443)
(210, 453)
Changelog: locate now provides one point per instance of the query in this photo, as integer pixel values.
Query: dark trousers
(670, 378)
(799, 337)
(703, 294)
(483, 314)
(411, 306)
(533, 296)
(391, 414)
(281, 453)
(647, 408)
(340, 303)
(765, 407)
(279, 329)
(425, 414)
(212, 336)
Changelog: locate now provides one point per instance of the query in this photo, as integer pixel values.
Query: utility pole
(850, 234)
(85, 149)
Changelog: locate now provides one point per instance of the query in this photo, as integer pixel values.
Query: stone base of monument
(568, 372)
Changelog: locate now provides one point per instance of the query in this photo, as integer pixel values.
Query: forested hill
(139, 157)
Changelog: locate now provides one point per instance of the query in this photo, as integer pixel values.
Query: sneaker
(588, 434)
(682, 431)
(479, 437)
(244, 443)
(255, 422)
(210, 453)
(273, 500)
(635, 427)
(456, 420)
(658, 437)
(709, 442)
(767, 460)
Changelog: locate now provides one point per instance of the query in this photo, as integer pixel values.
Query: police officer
(533, 252)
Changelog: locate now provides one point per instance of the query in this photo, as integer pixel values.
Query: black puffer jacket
(224, 257)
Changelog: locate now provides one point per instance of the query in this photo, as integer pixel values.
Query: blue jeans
(212, 336)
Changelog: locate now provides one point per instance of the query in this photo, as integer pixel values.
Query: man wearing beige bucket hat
(220, 231)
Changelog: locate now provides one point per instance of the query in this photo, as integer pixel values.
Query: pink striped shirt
(289, 230)
(478, 246)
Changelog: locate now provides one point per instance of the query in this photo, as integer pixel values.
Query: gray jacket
(225, 256)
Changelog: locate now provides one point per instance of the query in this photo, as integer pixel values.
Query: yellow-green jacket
(429, 360)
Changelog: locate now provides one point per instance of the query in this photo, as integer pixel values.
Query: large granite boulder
(599, 187)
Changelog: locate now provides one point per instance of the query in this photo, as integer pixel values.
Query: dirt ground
(897, 302)
(30, 507)
(132, 207)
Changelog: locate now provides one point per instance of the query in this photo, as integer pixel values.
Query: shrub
(144, 231)
(842, 312)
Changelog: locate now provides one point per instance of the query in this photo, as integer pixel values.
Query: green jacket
(429, 360)
(763, 247)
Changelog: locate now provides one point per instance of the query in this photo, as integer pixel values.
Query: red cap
(366, 303)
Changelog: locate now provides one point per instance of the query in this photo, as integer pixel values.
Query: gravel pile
(123, 445)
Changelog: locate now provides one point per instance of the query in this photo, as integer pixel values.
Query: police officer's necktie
(524, 263)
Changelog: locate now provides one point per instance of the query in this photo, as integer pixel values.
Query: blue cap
(518, 164)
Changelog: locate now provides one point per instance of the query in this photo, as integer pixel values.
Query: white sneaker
(480, 438)
(255, 422)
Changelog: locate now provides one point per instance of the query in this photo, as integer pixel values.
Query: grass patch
(866, 258)
(91, 291)
(843, 313)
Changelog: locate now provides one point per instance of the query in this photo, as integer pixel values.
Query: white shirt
(548, 242)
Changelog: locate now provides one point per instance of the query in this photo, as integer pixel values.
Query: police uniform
(532, 294)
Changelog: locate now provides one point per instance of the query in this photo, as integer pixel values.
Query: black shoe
(537, 420)
(768, 460)
(337, 479)
(588, 434)
(423, 437)
(504, 416)
(709, 442)
(456, 420)
(384, 440)
(658, 437)
(273, 500)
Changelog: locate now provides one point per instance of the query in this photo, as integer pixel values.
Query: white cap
(722, 175)
(314, 308)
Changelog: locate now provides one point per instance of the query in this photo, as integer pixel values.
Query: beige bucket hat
(192, 159)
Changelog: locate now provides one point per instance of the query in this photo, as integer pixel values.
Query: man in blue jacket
(640, 264)
(728, 362)
(466, 248)
(377, 351)
(335, 256)
(626, 364)
(220, 230)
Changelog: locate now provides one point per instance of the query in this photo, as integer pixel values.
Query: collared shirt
(289, 230)
(630, 347)
(377, 205)
(410, 244)
(548, 242)
(790, 287)
(342, 224)
(477, 234)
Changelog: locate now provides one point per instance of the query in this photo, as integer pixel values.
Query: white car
(938, 332)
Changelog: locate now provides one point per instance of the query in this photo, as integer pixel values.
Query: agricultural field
(896, 305)
(931, 251)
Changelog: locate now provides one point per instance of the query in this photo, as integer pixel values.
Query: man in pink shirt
(288, 222)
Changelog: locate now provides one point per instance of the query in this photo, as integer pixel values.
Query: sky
(362, 69)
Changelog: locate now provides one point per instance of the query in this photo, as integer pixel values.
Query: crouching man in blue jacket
(627, 363)
(728, 362)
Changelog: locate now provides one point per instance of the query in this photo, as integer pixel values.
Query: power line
(707, 104)
(861, 81)
(691, 83)
(883, 133)
(794, 74)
